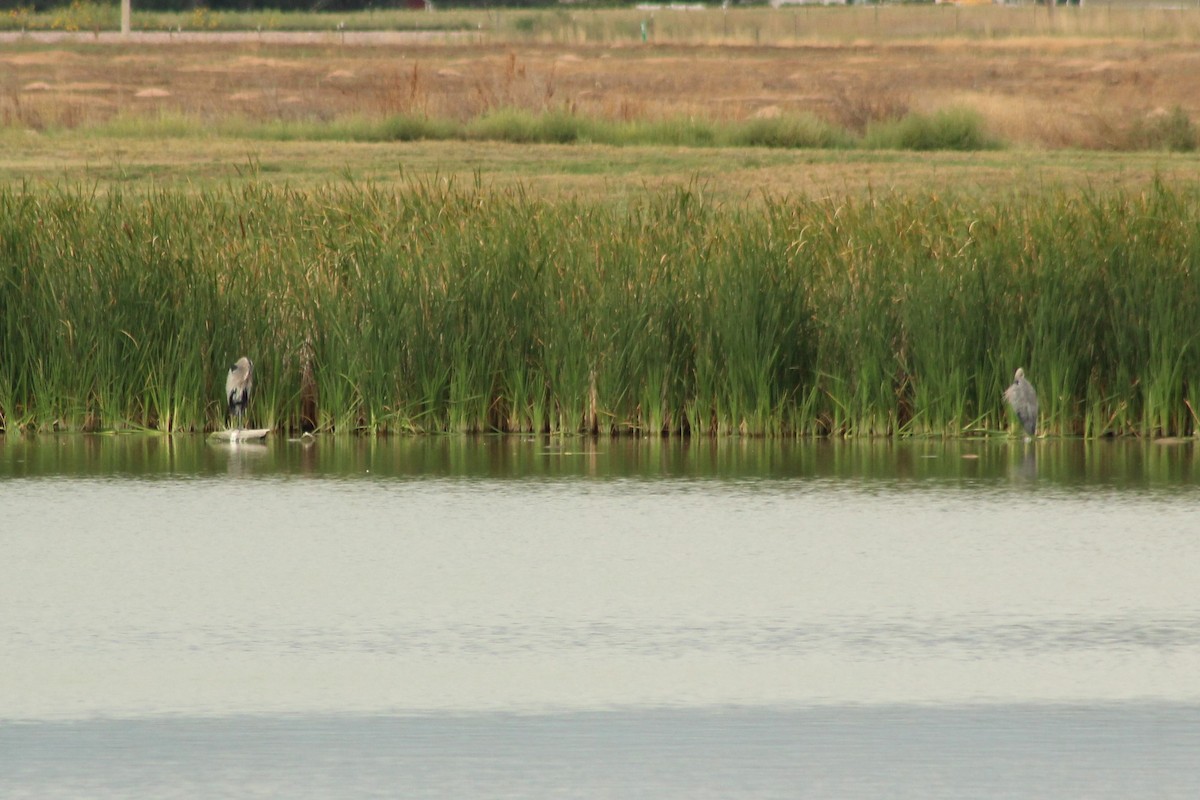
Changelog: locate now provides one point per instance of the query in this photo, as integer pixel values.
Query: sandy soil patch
(42, 58)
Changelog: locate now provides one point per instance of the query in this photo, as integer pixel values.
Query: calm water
(501, 617)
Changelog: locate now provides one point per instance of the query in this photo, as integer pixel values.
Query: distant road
(234, 37)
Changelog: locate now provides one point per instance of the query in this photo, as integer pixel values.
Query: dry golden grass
(728, 175)
(1084, 90)
(1033, 92)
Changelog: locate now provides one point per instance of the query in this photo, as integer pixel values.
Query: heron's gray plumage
(1023, 400)
(237, 388)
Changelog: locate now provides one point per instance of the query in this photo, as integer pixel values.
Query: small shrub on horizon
(83, 15)
(503, 124)
(799, 131)
(1164, 130)
(949, 129)
(675, 132)
(411, 128)
(164, 124)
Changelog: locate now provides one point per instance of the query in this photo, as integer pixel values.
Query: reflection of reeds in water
(453, 309)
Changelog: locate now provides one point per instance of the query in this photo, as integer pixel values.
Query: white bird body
(1024, 401)
(255, 435)
(238, 384)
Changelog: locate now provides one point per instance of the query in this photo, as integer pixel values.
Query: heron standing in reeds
(1023, 400)
(237, 388)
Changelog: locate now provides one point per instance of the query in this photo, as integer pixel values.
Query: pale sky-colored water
(510, 619)
(300, 594)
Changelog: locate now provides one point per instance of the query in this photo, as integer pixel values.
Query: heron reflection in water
(1023, 400)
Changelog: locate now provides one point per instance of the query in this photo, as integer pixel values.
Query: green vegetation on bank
(952, 129)
(444, 308)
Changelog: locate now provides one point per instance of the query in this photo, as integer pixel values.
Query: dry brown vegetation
(1037, 92)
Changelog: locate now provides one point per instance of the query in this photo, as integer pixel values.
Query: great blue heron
(1024, 402)
(237, 388)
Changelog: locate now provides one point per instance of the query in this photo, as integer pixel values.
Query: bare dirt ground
(1040, 93)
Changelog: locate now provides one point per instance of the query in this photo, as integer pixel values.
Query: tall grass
(451, 308)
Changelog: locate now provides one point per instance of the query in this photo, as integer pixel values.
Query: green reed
(440, 307)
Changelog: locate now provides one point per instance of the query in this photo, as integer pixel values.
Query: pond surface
(528, 617)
